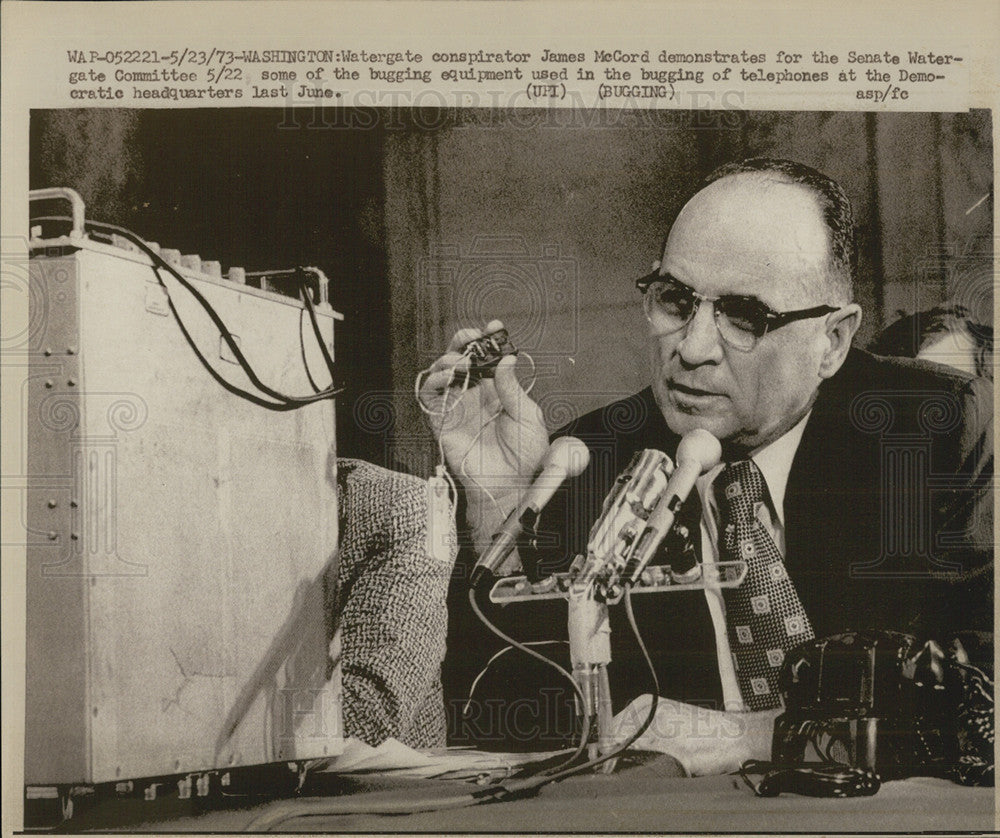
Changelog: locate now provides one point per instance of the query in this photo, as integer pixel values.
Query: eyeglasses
(741, 320)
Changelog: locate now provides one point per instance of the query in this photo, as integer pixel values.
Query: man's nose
(701, 342)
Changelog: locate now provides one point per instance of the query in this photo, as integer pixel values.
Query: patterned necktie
(764, 615)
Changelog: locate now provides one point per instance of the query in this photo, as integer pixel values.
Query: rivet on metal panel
(48, 384)
(73, 504)
(74, 536)
(71, 350)
(52, 504)
(53, 535)
(71, 382)
(47, 351)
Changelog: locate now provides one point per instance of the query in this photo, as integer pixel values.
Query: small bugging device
(485, 353)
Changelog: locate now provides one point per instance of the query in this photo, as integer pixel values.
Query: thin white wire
(461, 466)
(489, 663)
(443, 412)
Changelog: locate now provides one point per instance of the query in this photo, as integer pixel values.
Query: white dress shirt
(774, 462)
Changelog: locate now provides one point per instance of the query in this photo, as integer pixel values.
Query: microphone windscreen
(699, 446)
(568, 454)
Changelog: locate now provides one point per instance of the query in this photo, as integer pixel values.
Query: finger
(512, 397)
(462, 337)
(439, 381)
(448, 361)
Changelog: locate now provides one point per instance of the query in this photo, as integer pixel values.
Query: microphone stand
(590, 653)
(636, 516)
(589, 629)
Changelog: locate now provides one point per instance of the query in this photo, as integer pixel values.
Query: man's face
(751, 235)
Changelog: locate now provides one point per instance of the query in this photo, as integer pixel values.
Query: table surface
(643, 798)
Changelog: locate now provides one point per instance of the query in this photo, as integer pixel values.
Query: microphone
(567, 457)
(697, 453)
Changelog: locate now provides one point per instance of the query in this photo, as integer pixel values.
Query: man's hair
(833, 203)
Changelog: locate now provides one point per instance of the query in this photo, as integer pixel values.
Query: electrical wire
(305, 361)
(507, 790)
(810, 779)
(521, 647)
(281, 401)
(496, 793)
(463, 472)
(496, 656)
(527, 787)
(445, 410)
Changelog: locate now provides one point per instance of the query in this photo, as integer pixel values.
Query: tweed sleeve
(393, 614)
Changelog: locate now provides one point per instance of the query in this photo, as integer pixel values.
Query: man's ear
(840, 329)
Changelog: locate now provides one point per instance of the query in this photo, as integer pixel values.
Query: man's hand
(703, 741)
(491, 432)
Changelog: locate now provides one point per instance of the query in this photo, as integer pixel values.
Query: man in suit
(858, 489)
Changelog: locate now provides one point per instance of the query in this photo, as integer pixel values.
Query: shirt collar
(775, 463)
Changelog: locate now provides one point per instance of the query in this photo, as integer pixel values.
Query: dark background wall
(429, 220)
(251, 188)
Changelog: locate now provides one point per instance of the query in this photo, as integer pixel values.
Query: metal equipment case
(178, 535)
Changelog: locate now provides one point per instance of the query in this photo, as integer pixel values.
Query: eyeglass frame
(772, 319)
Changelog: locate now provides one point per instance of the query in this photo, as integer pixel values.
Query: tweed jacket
(388, 599)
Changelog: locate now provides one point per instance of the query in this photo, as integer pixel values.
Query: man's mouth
(685, 390)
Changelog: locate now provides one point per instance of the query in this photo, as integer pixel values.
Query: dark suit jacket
(888, 522)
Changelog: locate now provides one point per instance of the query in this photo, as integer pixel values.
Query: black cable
(521, 647)
(305, 361)
(531, 786)
(578, 752)
(226, 384)
(304, 291)
(811, 779)
(493, 794)
(283, 402)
